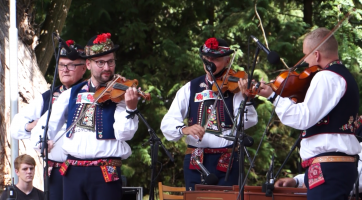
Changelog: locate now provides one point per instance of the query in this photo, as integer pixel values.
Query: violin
(296, 85)
(115, 92)
(230, 81)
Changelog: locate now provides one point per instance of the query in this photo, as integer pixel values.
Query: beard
(104, 76)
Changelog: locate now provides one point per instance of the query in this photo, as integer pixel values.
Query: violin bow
(339, 24)
(91, 105)
(217, 97)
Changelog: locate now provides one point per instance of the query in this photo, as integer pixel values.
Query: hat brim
(115, 48)
(209, 54)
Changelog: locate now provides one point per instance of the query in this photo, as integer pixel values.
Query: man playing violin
(195, 101)
(96, 143)
(70, 73)
(327, 116)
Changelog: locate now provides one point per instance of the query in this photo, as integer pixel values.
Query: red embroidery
(315, 175)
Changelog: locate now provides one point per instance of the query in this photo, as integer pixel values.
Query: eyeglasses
(101, 63)
(70, 67)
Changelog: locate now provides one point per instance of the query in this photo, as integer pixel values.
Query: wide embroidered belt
(321, 159)
(51, 165)
(211, 150)
(108, 167)
(223, 161)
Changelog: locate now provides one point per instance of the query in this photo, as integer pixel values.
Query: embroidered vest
(341, 118)
(46, 97)
(102, 116)
(201, 102)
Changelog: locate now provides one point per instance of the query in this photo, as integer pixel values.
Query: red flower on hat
(212, 43)
(102, 38)
(70, 42)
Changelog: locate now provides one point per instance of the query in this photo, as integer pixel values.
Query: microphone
(210, 66)
(272, 57)
(268, 186)
(210, 179)
(71, 53)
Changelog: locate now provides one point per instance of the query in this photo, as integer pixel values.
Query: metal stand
(240, 136)
(44, 140)
(155, 142)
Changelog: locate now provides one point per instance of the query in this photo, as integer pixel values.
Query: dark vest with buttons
(198, 110)
(103, 115)
(340, 119)
(46, 99)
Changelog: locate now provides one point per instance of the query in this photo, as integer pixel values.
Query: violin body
(296, 85)
(231, 81)
(115, 92)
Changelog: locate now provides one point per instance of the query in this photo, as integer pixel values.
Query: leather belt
(321, 159)
(334, 159)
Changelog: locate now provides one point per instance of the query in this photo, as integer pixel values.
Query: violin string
(91, 105)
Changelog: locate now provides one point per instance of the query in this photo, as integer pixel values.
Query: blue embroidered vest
(46, 98)
(341, 118)
(198, 111)
(103, 114)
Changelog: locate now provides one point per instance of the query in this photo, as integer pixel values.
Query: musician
(195, 101)
(96, 143)
(70, 73)
(327, 115)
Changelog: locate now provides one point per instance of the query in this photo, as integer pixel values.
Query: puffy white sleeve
(29, 113)
(176, 114)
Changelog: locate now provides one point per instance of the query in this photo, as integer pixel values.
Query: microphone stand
(289, 154)
(239, 136)
(155, 142)
(44, 140)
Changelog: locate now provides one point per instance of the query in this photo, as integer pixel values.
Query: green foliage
(159, 42)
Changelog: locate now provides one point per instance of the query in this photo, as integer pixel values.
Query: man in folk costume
(96, 143)
(195, 101)
(70, 73)
(327, 115)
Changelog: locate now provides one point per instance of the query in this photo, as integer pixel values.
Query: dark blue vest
(198, 111)
(103, 118)
(46, 99)
(341, 118)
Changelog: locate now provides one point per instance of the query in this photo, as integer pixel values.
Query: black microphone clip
(210, 66)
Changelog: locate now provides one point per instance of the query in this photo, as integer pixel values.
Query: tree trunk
(31, 83)
(54, 22)
(308, 12)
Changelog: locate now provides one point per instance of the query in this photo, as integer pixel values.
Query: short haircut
(24, 159)
(315, 37)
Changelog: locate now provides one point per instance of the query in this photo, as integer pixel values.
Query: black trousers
(55, 185)
(339, 179)
(87, 183)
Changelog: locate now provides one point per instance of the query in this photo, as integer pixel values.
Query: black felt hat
(100, 45)
(215, 47)
(72, 45)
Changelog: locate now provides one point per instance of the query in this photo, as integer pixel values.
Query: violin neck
(125, 87)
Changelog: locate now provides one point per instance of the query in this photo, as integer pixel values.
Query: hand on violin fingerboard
(265, 90)
(243, 86)
(195, 131)
(131, 98)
